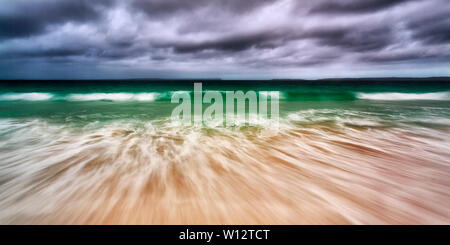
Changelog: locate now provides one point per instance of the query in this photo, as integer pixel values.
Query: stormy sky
(229, 39)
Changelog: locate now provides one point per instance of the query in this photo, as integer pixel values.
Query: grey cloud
(356, 39)
(109, 52)
(402, 57)
(178, 35)
(354, 6)
(234, 43)
(27, 18)
(164, 8)
(54, 52)
(433, 28)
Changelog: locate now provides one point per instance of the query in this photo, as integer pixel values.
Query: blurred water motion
(157, 174)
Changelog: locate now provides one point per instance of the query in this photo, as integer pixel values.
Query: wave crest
(37, 96)
(113, 96)
(404, 96)
(34, 96)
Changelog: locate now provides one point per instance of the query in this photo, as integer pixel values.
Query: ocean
(346, 151)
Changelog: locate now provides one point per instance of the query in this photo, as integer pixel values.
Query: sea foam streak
(404, 96)
(26, 96)
(37, 96)
(113, 96)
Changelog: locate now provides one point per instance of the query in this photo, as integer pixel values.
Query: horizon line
(222, 79)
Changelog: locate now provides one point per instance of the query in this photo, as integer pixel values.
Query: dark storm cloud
(387, 57)
(48, 53)
(354, 38)
(223, 36)
(65, 52)
(354, 6)
(162, 8)
(27, 18)
(432, 28)
(357, 39)
(233, 43)
(159, 8)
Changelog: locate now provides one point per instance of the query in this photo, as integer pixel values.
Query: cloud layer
(42, 39)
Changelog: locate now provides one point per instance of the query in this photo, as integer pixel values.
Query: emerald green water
(83, 102)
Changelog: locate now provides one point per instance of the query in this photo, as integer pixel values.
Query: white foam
(405, 96)
(113, 96)
(26, 96)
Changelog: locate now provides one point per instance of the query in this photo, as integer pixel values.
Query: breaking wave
(404, 96)
(113, 96)
(35, 96)
(153, 96)
(26, 96)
